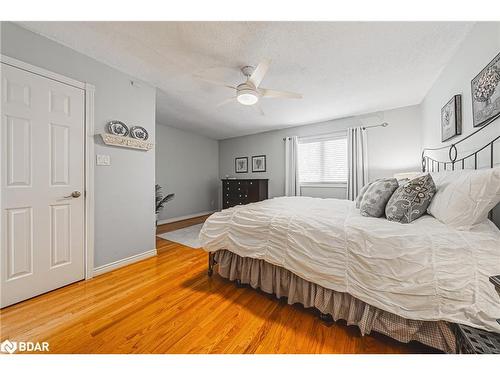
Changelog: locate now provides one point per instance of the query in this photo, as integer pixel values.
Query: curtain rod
(384, 124)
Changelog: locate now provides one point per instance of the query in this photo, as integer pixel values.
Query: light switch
(103, 160)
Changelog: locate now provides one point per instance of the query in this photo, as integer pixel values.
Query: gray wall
(187, 164)
(393, 149)
(124, 191)
(476, 51)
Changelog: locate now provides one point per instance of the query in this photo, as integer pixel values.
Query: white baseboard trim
(179, 218)
(124, 262)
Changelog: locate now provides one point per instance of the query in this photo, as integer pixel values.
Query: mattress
(421, 271)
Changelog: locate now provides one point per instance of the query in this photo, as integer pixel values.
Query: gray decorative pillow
(403, 181)
(361, 193)
(377, 196)
(411, 200)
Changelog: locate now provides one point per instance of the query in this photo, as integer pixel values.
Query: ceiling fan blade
(259, 72)
(267, 93)
(227, 101)
(214, 82)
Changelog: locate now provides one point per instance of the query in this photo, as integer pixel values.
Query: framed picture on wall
(241, 165)
(259, 163)
(485, 89)
(451, 118)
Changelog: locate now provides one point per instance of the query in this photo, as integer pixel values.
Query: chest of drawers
(243, 191)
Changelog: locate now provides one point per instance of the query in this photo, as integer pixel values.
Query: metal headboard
(432, 165)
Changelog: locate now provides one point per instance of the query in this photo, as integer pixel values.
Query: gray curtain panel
(357, 161)
(292, 186)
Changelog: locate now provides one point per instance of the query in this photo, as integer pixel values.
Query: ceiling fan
(249, 92)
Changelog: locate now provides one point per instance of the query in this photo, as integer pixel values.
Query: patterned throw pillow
(377, 196)
(411, 200)
(403, 181)
(361, 193)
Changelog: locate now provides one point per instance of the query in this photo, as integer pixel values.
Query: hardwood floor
(168, 304)
(163, 228)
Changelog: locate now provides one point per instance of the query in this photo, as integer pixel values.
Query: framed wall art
(241, 165)
(451, 118)
(485, 89)
(259, 163)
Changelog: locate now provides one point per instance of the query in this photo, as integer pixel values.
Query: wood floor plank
(163, 228)
(168, 304)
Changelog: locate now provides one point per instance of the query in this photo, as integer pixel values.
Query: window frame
(323, 138)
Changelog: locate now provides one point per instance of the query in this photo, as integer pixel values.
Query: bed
(407, 281)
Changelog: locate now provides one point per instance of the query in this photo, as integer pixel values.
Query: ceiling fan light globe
(247, 98)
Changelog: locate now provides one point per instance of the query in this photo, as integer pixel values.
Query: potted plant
(161, 200)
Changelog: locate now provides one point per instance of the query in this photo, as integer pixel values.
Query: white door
(42, 153)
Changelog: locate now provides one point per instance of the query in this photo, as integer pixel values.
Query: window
(323, 160)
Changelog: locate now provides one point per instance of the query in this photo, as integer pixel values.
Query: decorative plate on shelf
(118, 128)
(138, 132)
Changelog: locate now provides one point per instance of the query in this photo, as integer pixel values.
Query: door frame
(89, 91)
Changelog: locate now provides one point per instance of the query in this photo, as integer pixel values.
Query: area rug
(186, 236)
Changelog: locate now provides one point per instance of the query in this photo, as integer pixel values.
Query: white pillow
(464, 197)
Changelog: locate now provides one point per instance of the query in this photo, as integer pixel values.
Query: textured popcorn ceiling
(342, 69)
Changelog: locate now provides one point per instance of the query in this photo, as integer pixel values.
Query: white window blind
(323, 160)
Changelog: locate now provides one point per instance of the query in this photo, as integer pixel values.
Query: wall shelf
(117, 140)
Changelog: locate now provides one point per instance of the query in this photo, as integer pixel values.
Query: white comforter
(424, 270)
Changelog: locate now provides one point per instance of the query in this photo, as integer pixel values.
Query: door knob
(74, 194)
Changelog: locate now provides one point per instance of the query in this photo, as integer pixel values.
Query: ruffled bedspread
(341, 306)
(420, 271)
